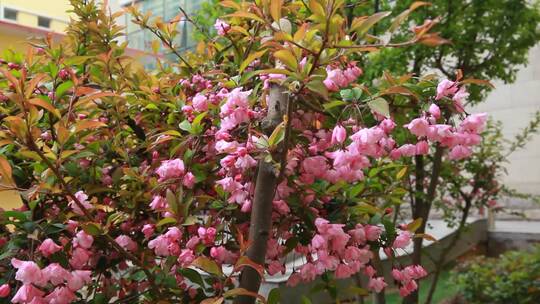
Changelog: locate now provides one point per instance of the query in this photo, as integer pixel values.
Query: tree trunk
(421, 210)
(442, 258)
(265, 188)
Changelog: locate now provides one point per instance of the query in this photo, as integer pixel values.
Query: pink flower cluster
(221, 27)
(174, 169)
(339, 78)
(333, 249)
(447, 88)
(64, 283)
(407, 278)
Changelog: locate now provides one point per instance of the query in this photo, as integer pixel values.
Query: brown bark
(265, 188)
(421, 209)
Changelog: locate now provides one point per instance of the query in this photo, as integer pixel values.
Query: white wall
(514, 104)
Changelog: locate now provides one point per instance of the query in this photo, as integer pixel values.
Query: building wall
(29, 10)
(165, 9)
(514, 104)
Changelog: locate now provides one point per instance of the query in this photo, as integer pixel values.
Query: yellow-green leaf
(363, 27)
(380, 106)
(288, 58)
(207, 265)
(414, 225)
(275, 9)
(250, 59)
(45, 105)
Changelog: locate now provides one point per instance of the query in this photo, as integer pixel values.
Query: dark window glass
(10, 14)
(44, 22)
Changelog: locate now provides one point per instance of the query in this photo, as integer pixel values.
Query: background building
(24, 19)
(515, 104)
(140, 39)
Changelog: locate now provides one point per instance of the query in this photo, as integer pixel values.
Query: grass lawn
(444, 291)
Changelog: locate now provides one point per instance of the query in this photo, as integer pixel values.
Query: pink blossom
(408, 288)
(26, 294)
(221, 27)
(281, 207)
(275, 267)
(358, 234)
(83, 199)
(368, 136)
(55, 274)
(5, 290)
(377, 284)
(407, 150)
(83, 239)
(460, 95)
(126, 242)
(418, 127)
(318, 242)
(78, 278)
(474, 123)
(398, 276)
(435, 111)
(148, 230)
(370, 271)
(189, 180)
(169, 169)
(343, 271)
(207, 235)
(49, 247)
(222, 255)
(160, 245)
(422, 147)
(79, 258)
(159, 203)
(186, 257)
(372, 232)
(338, 134)
(446, 88)
(402, 240)
(387, 125)
(459, 152)
(61, 295)
(200, 103)
(28, 272)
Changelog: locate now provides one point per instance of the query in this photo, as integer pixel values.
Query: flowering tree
(192, 182)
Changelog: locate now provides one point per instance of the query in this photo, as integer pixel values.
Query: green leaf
(347, 94)
(21, 216)
(414, 225)
(208, 265)
(277, 135)
(193, 276)
(305, 300)
(185, 125)
(333, 104)
(63, 88)
(287, 58)
(172, 201)
(364, 26)
(357, 93)
(166, 221)
(401, 173)
(92, 229)
(252, 57)
(363, 208)
(318, 87)
(274, 297)
(380, 106)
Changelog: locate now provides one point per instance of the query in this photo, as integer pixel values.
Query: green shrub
(512, 278)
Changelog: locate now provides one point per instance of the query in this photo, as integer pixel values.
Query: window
(44, 22)
(10, 14)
